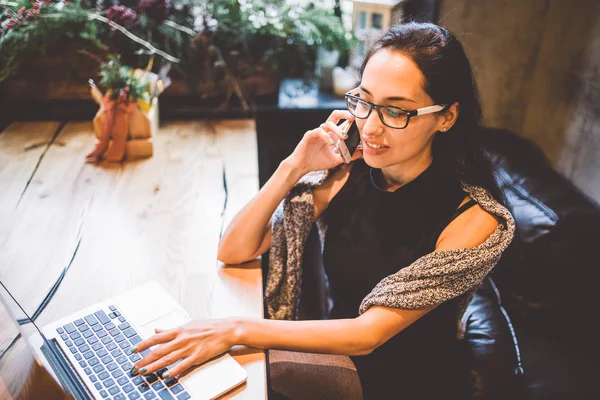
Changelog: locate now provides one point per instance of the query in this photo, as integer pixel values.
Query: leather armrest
(494, 356)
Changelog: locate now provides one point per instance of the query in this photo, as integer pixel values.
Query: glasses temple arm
(429, 110)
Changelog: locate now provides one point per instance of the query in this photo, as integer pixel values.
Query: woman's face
(393, 79)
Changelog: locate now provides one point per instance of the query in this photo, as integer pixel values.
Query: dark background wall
(537, 63)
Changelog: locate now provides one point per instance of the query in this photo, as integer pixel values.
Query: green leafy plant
(119, 81)
(208, 41)
(32, 29)
(284, 37)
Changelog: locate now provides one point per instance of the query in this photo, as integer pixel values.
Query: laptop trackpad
(210, 380)
(172, 320)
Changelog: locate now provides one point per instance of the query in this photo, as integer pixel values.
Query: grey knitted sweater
(430, 280)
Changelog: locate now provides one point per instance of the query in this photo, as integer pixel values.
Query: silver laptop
(87, 352)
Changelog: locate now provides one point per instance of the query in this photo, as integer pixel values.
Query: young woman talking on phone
(411, 221)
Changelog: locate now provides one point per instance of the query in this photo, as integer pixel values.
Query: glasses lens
(394, 117)
(357, 107)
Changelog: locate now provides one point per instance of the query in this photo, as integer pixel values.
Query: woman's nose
(373, 125)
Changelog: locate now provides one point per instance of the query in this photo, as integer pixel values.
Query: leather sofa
(533, 326)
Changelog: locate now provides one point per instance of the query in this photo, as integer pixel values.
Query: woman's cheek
(360, 123)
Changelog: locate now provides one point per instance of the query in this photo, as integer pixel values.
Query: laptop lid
(31, 365)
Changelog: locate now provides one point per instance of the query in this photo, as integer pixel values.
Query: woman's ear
(448, 117)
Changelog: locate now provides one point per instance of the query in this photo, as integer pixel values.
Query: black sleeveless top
(373, 233)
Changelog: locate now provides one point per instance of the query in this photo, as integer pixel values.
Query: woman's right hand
(316, 151)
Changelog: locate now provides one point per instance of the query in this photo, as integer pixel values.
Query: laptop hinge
(63, 369)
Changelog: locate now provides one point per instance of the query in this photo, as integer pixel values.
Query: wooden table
(117, 226)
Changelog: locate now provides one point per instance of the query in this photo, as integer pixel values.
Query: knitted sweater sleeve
(443, 275)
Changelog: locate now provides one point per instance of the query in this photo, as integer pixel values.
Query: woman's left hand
(193, 344)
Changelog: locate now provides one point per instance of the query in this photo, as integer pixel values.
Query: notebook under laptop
(87, 351)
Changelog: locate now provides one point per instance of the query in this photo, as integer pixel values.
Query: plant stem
(181, 28)
(125, 32)
(136, 39)
(93, 56)
(232, 81)
(230, 77)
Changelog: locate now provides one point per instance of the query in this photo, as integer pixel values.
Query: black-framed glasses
(393, 117)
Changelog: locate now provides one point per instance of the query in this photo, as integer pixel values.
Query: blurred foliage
(118, 80)
(201, 37)
(25, 38)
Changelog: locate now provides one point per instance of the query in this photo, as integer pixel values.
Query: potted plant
(128, 112)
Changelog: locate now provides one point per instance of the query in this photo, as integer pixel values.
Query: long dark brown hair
(448, 79)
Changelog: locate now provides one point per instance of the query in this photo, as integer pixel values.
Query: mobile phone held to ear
(346, 148)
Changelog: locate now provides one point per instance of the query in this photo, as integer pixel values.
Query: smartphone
(346, 148)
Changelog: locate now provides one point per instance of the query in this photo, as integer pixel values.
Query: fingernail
(134, 371)
(331, 141)
(143, 370)
(133, 349)
(165, 375)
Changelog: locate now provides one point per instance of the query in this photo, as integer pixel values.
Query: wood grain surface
(116, 226)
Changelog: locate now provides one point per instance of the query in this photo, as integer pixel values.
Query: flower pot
(139, 126)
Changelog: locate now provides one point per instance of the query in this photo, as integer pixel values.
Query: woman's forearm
(247, 229)
(337, 336)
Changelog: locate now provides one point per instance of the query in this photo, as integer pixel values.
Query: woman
(400, 199)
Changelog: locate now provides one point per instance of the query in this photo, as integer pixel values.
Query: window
(377, 21)
(362, 20)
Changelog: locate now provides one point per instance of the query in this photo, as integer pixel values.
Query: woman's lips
(372, 150)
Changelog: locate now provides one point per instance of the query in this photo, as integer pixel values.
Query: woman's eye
(393, 113)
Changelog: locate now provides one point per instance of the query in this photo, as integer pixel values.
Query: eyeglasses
(393, 117)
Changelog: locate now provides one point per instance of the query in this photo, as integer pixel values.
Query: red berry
(28, 15)
(67, 3)
(9, 25)
(36, 5)
(36, 12)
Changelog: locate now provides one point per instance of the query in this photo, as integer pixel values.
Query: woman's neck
(398, 175)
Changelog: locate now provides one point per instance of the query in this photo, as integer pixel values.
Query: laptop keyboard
(100, 343)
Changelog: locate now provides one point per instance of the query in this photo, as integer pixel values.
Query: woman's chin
(375, 161)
